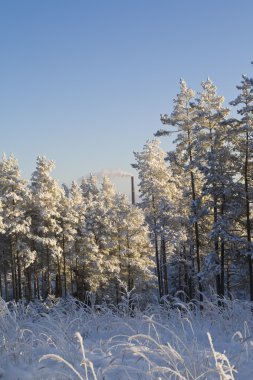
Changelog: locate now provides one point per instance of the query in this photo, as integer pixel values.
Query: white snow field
(62, 339)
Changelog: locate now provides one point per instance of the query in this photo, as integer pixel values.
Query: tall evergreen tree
(243, 145)
(158, 194)
(46, 226)
(14, 197)
(182, 119)
(213, 156)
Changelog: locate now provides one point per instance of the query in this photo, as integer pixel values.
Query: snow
(64, 339)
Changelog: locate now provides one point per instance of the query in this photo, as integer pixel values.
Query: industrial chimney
(133, 191)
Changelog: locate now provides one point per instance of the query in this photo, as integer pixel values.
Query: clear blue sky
(84, 81)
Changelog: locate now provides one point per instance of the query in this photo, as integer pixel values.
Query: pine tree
(71, 215)
(243, 145)
(213, 156)
(14, 198)
(91, 243)
(78, 207)
(134, 250)
(46, 226)
(183, 119)
(159, 195)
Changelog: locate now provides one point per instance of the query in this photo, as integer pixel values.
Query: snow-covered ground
(64, 340)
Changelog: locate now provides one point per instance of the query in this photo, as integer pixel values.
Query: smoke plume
(112, 173)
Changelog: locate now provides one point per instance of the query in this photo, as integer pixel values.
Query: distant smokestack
(133, 192)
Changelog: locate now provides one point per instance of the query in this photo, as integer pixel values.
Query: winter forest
(190, 232)
(183, 252)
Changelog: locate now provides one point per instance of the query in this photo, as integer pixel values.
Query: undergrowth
(66, 339)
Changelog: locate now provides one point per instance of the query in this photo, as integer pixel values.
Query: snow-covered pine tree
(74, 230)
(159, 195)
(71, 221)
(243, 146)
(46, 225)
(113, 245)
(213, 157)
(89, 187)
(103, 229)
(134, 252)
(16, 255)
(182, 122)
(90, 249)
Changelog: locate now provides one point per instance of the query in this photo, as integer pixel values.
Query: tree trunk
(36, 292)
(228, 279)
(38, 285)
(48, 273)
(58, 290)
(196, 226)
(43, 288)
(222, 256)
(71, 280)
(64, 266)
(248, 217)
(5, 281)
(164, 266)
(187, 285)
(216, 241)
(29, 286)
(19, 285)
(157, 252)
(222, 269)
(13, 272)
(129, 281)
(5, 285)
(196, 231)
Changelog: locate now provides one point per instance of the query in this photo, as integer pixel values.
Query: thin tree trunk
(19, 285)
(13, 272)
(215, 210)
(5, 282)
(43, 288)
(196, 226)
(48, 273)
(222, 269)
(29, 286)
(71, 280)
(129, 279)
(117, 291)
(157, 252)
(228, 279)
(179, 274)
(129, 282)
(16, 283)
(192, 269)
(186, 274)
(35, 283)
(248, 217)
(40, 291)
(164, 266)
(64, 266)
(216, 242)
(58, 282)
(222, 257)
